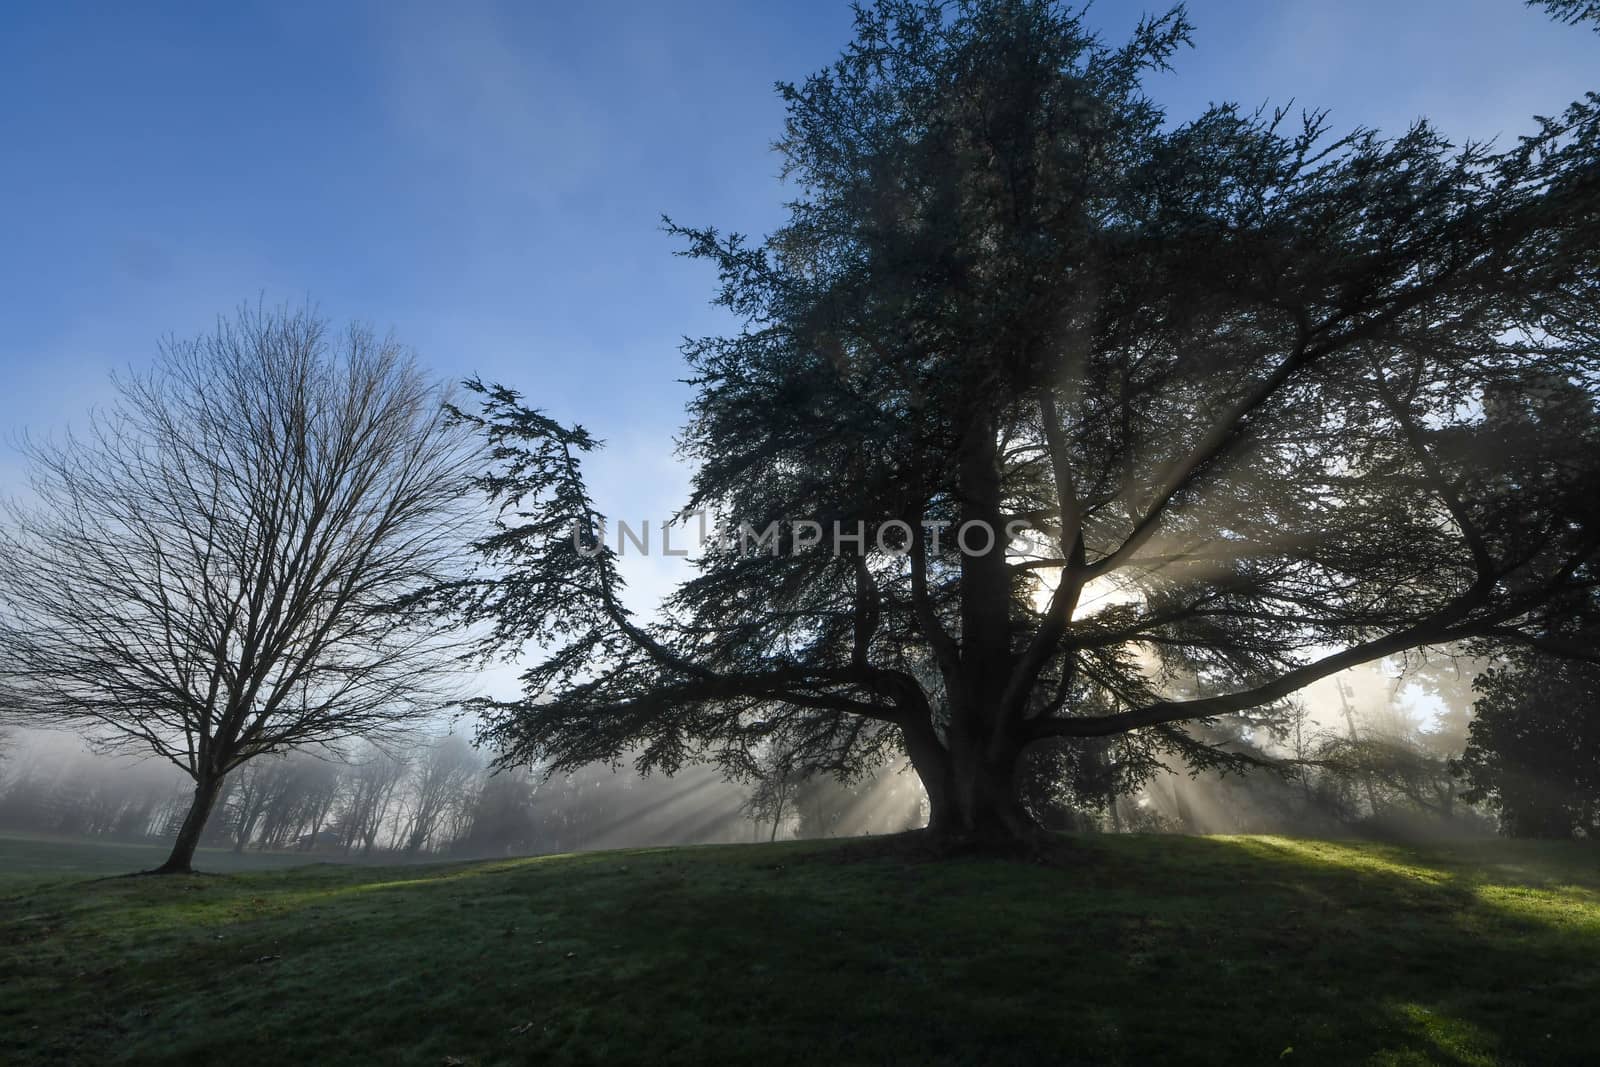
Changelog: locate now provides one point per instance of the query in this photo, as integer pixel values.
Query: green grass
(1130, 950)
(35, 861)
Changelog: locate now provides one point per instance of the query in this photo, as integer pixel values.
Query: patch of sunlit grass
(1573, 908)
(1223, 950)
(1447, 1038)
(1363, 858)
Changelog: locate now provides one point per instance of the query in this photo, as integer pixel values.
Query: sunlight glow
(1097, 595)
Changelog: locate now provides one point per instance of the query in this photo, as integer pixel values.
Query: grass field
(1129, 949)
(39, 861)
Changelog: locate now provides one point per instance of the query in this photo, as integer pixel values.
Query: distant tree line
(1513, 747)
(435, 797)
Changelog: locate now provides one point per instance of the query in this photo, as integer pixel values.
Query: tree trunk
(970, 772)
(931, 761)
(777, 818)
(972, 794)
(318, 814)
(988, 813)
(182, 857)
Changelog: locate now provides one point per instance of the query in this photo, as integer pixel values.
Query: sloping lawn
(1126, 950)
(36, 860)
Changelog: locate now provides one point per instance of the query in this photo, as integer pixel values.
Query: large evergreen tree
(1533, 749)
(1234, 375)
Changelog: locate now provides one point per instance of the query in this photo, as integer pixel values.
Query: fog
(437, 797)
(1360, 753)
(1364, 752)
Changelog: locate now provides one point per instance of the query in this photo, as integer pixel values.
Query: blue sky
(486, 180)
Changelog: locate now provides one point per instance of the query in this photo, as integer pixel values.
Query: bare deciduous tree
(377, 776)
(443, 776)
(212, 571)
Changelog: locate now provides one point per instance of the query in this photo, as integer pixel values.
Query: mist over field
(442, 800)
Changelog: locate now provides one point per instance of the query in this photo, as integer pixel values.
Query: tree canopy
(213, 572)
(1243, 400)
(1533, 751)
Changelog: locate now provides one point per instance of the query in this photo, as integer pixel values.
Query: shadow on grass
(1477, 953)
(1144, 949)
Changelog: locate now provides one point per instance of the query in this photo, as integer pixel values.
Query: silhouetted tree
(887, 801)
(211, 573)
(1228, 378)
(1448, 680)
(298, 816)
(773, 797)
(1533, 751)
(375, 778)
(503, 820)
(439, 783)
(1571, 11)
(256, 785)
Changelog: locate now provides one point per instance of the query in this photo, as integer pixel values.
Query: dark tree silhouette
(1533, 749)
(444, 772)
(1229, 378)
(211, 573)
(1571, 11)
(375, 780)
